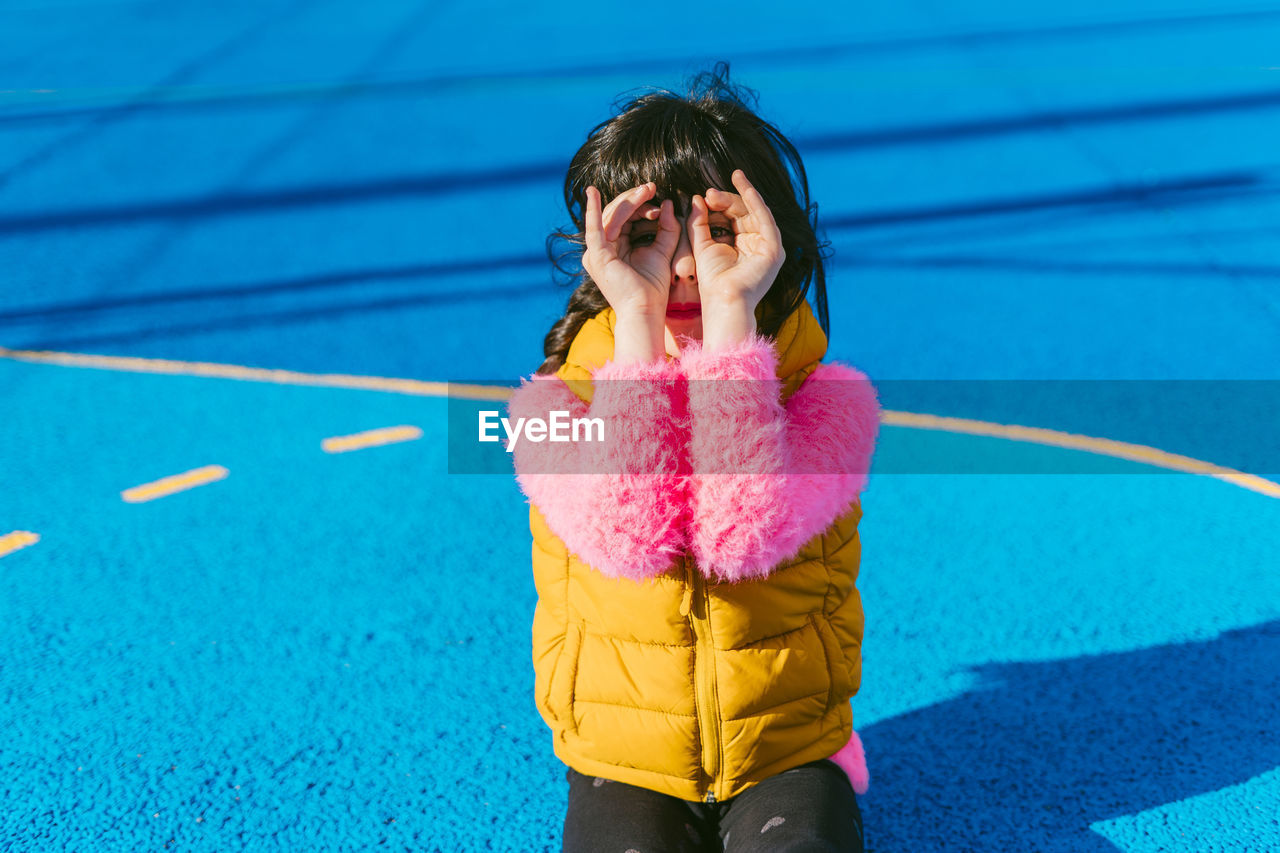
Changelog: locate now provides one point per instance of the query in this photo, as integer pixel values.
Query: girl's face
(684, 306)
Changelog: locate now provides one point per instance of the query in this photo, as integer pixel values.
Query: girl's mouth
(684, 310)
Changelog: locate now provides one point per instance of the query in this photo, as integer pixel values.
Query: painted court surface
(245, 605)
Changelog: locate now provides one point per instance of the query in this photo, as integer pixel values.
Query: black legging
(809, 808)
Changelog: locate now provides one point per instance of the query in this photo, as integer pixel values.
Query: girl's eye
(718, 231)
(642, 238)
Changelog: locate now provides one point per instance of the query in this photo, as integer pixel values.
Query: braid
(585, 302)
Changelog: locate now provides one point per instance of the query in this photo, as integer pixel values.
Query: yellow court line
(370, 438)
(174, 483)
(910, 420)
(1073, 441)
(16, 540)
(228, 371)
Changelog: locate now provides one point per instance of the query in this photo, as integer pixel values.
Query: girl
(698, 635)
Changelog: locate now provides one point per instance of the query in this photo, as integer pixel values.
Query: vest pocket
(841, 684)
(565, 677)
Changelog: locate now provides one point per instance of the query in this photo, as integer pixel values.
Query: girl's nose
(682, 269)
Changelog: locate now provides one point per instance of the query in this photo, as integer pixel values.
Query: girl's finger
(668, 235)
(699, 225)
(621, 208)
(754, 202)
(730, 204)
(594, 227)
(598, 253)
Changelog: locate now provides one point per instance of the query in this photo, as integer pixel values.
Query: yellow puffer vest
(687, 686)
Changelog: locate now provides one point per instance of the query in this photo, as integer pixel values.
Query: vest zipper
(704, 672)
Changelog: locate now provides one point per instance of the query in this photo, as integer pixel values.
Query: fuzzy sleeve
(767, 478)
(620, 504)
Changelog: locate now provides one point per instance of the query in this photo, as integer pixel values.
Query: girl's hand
(737, 275)
(635, 279)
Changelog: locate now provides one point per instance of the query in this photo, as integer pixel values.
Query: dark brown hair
(686, 144)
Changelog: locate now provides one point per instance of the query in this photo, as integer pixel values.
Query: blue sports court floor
(231, 235)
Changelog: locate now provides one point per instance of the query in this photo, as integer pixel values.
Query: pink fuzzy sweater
(702, 457)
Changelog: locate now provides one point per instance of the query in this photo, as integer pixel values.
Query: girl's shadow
(1041, 750)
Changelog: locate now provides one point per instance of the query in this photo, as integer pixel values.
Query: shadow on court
(1042, 750)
